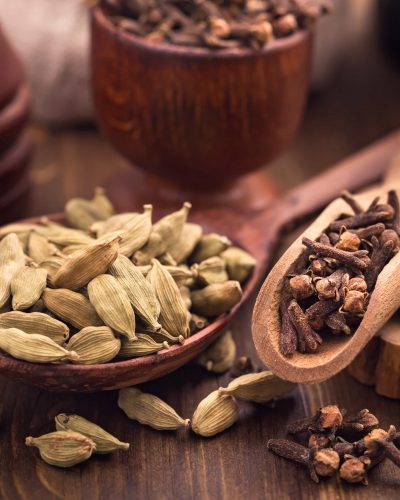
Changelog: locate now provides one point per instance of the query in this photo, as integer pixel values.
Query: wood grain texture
(194, 116)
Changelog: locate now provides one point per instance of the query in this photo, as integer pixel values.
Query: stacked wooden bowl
(15, 141)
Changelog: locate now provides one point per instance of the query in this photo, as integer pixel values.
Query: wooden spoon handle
(358, 171)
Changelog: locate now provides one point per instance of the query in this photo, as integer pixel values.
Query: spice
(328, 452)
(331, 291)
(104, 441)
(214, 24)
(214, 414)
(32, 347)
(322, 463)
(36, 322)
(149, 410)
(258, 387)
(112, 304)
(139, 291)
(94, 345)
(84, 280)
(63, 449)
(27, 286)
(71, 307)
(219, 357)
(86, 264)
(173, 315)
(216, 299)
(142, 346)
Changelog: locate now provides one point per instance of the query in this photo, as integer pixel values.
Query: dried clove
(213, 23)
(307, 338)
(340, 270)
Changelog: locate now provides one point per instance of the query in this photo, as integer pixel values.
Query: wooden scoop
(336, 352)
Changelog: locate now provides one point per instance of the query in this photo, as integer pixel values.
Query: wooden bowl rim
(15, 109)
(277, 45)
(175, 351)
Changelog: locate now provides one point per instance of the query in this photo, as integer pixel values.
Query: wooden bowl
(14, 116)
(118, 374)
(11, 70)
(197, 117)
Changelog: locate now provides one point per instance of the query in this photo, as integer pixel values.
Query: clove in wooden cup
(197, 119)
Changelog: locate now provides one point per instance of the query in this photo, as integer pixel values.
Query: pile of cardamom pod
(112, 285)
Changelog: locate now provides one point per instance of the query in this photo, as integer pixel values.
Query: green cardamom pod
(185, 294)
(27, 286)
(197, 323)
(135, 232)
(32, 347)
(150, 410)
(214, 414)
(209, 245)
(114, 223)
(17, 228)
(12, 259)
(104, 441)
(81, 267)
(71, 307)
(220, 356)
(61, 235)
(36, 322)
(139, 291)
(211, 270)
(239, 263)
(52, 264)
(141, 347)
(258, 387)
(165, 233)
(63, 449)
(39, 247)
(216, 299)
(81, 213)
(174, 315)
(112, 304)
(94, 345)
(190, 236)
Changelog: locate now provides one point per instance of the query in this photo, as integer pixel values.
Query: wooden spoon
(336, 352)
(257, 232)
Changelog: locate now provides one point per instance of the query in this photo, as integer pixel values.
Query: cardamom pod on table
(214, 414)
(150, 410)
(104, 441)
(258, 387)
(63, 449)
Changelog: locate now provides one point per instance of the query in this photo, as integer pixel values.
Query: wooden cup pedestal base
(378, 364)
(131, 189)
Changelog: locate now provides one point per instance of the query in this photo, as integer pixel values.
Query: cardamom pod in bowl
(115, 299)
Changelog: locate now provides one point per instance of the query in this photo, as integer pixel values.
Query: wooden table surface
(235, 464)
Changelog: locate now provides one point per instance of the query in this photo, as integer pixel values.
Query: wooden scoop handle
(358, 171)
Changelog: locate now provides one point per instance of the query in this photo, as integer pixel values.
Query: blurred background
(354, 96)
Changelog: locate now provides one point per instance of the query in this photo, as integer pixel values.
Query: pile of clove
(337, 444)
(215, 24)
(330, 292)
